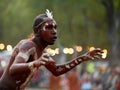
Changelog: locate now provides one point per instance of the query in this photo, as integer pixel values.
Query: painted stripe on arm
(23, 55)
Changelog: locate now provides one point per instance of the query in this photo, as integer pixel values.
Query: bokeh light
(9, 47)
(2, 46)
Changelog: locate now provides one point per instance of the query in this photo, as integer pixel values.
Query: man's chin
(48, 43)
(51, 43)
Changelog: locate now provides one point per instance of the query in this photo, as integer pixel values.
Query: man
(29, 54)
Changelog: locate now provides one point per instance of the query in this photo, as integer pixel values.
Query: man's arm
(59, 69)
(20, 64)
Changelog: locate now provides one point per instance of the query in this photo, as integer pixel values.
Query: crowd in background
(107, 78)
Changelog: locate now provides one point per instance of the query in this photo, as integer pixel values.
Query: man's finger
(87, 57)
(97, 57)
(42, 63)
(44, 59)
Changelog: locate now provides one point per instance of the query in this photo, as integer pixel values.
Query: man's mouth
(55, 37)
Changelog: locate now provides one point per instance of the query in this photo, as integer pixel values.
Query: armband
(23, 55)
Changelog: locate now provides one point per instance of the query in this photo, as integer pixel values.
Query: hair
(38, 19)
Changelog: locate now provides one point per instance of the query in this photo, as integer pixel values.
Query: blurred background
(82, 25)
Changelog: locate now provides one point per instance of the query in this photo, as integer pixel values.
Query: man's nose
(54, 31)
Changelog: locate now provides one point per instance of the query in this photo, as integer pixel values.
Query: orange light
(78, 48)
(91, 48)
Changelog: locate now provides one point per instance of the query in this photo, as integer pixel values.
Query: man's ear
(35, 30)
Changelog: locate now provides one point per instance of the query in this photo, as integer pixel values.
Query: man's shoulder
(26, 44)
(25, 41)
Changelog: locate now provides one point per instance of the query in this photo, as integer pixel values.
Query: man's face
(49, 32)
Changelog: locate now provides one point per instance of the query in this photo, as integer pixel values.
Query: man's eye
(49, 27)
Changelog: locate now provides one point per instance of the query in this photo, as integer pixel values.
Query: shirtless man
(29, 54)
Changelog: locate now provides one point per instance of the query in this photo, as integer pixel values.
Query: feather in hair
(49, 14)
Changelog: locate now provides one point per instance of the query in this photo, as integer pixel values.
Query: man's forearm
(21, 67)
(63, 68)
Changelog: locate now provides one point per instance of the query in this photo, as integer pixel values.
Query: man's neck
(40, 44)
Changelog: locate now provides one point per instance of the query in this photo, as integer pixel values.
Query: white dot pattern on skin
(76, 61)
(67, 66)
(79, 60)
(72, 65)
(60, 69)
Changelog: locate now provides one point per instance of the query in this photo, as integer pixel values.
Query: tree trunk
(113, 21)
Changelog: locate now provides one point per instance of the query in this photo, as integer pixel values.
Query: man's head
(44, 26)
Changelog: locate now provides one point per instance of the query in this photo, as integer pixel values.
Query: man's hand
(45, 59)
(91, 55)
